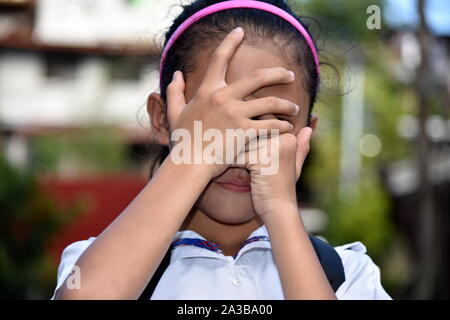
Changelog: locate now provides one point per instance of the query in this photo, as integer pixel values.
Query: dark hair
(258, 25)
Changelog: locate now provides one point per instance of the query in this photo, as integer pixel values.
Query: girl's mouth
(235, 185)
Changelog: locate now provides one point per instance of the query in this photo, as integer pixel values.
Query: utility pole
(352, 124)
(426, 223)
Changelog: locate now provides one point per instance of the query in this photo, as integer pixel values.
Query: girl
(231, 231)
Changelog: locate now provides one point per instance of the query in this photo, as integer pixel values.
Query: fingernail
(297, 109)
(310, 132)
(238, 30)
(174, 75)
(291, 75)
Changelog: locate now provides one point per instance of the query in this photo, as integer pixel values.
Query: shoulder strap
(331, 262)
(148, 291)
(329, 259)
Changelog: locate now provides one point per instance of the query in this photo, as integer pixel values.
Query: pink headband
(238, 4)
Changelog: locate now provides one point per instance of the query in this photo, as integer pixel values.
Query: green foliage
(366, 215)
(92, 150)
(363, 217)
(342, 19)
(28, 219)
(386, 101)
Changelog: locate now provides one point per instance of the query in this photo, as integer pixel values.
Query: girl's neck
(228, 237)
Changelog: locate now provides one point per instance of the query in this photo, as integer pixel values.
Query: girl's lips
(236, 186)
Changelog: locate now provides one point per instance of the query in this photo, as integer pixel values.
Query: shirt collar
(194, 251)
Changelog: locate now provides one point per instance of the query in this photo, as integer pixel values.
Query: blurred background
(76, 146)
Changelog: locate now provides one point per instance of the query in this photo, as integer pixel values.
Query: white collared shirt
(200, 274)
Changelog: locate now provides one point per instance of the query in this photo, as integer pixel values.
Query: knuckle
(201, 93)
(258, 75)
(270, 101)
(291, 139)
(281, 72)
(218, 98)
(171, 87)
(288, 140)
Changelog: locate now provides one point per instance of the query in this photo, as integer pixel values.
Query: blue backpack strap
(329, 259)
(148, 291)
(331, 262)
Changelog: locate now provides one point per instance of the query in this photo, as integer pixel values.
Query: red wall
(105, 197)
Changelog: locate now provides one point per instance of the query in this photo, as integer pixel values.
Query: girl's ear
(156, 110)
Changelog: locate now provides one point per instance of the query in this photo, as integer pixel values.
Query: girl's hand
(221, 106)
(271, 193)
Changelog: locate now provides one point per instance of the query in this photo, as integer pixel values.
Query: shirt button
(236, 282)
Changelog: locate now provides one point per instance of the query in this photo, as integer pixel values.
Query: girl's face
(222, 202)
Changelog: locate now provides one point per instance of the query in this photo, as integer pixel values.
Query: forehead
(247, 59)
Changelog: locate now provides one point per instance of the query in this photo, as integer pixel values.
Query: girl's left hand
(273, 192)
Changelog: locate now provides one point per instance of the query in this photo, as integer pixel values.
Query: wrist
(285, 212)
(191, 173)
(199, 170)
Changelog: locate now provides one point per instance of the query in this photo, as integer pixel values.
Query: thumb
(303, 146)
(175, 96)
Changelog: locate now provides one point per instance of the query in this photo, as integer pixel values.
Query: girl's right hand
(221, 106)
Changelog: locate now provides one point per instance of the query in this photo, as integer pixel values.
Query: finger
(270, 105)
(282, 126)
(176, 100)
(251, 154)
(242, 159)
(303, 146)
(218, 64)
(258, 79)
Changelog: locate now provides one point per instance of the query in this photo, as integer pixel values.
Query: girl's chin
(227, 206)
(232, 220)
(228, 210)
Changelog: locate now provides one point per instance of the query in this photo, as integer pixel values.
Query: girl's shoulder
(353, 254)
(69, 257)
(75, 249)
(362, 275)
(356, 246)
